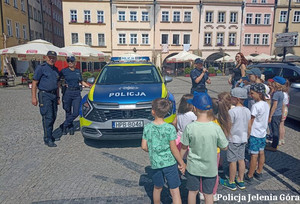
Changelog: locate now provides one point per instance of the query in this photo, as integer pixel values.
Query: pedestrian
(238, 137)
(46, 78)
(239, 70)
(159, 140)
(199, 76)
(202, 137)
(286, 100)
(71, 94)
(257, 130)
(185, 115)
(277, 107)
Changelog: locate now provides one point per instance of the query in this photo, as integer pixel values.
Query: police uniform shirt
(195, 73)
(47, 76)
(72, 78)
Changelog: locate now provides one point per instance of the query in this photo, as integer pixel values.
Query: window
(187, 16)
(88, 39)
(9, 27)
(165, 16)
(34, 14)
(22, 5)
(176, 16)
(256, 39)
(295, 39)
(267, 18)
(247, 39)
(164, 39)
(122, 38)
(100, 16)
(101, 39)
(231, 39)
(254, 1)
(121, 15)
(265, 39)
(175, 39)
(133, 39)
(221, 17)
(24, 32)
(249, 18)
(145, 39)
(6, 1)
(145, 16)
(257, 19)
(263, 1)
(209, 17)
(74, 37)
(87, 16)
(296, 16)
(73, 14)
(15, 3)
(187, 39)
(32, 35)
(207, 39)
(220, 39)
(233, 17)
(283, 16)
(291, 75)
(17, 30)
(133, 16)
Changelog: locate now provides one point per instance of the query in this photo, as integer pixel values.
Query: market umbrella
(182, 56)
(262, 57)
(227, 58)
(292, 58)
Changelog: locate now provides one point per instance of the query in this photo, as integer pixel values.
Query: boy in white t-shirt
(257, 131)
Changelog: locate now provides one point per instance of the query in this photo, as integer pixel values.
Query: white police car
(118, 105)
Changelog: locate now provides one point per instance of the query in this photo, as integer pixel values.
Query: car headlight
(86, 108)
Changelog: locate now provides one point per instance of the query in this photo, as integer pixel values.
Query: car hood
(127, 94)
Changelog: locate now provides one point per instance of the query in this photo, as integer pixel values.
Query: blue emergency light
(129, 59)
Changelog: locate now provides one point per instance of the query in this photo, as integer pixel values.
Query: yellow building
(14, 20)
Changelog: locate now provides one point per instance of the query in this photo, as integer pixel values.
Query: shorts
(256, 144)
(206, 184)
(170, 173)
(236, 152)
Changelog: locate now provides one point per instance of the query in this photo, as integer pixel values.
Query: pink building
(257, 27)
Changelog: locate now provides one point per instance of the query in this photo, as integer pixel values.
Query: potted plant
(73, 21)
(86, 21)
(187, 71)
(219, 73)
(211, 71)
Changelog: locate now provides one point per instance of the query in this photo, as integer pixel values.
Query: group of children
(204, 125)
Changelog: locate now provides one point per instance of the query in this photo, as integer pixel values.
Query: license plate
(127, 124)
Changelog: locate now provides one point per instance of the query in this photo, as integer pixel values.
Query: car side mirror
(168, 79)
(295, 85)
(91, 80)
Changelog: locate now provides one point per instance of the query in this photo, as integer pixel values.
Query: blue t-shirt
(47, 76)
(72, 78)
(199, 87)
(278, 96)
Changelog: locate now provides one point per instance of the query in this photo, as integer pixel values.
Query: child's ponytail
(224, 104)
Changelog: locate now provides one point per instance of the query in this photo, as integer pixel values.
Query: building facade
(35, 19)
(258, 27)
(280, 19)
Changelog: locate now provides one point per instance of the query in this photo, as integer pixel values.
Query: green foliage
(30, 76)
(95, 74)
(211, 70)
(187, 70)
(86, 75)
(219, 71)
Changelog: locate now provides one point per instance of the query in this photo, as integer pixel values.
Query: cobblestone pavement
(79, 171)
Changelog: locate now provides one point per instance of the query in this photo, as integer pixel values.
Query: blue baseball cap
(279, 80)
(246, 78)
(198, 61)
(71, 59)
(254, 71)
(201, 101)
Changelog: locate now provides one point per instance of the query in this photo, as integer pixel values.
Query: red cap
(270, 80)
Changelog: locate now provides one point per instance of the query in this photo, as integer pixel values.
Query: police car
(118, 105)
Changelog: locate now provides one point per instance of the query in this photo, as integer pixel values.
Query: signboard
(285, 39)
(291, 34)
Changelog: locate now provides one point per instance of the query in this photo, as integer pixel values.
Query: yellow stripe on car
(84, 122)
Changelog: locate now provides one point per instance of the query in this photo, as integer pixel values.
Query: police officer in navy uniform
(46, 78)
(71, 94)
(199, 76)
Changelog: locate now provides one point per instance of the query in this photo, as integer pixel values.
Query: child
(159, 140)
(240, 117)
(285, 112)
(185, 116)
(257, 130)
(277, 107)
(203, 137)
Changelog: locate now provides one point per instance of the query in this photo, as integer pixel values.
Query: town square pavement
(79, 171)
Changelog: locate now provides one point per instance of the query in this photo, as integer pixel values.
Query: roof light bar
(129, 59)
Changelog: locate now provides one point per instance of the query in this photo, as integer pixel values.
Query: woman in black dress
(239, 71)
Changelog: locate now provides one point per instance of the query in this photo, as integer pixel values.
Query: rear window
(271, 72)
(129, 75)
(291, 75)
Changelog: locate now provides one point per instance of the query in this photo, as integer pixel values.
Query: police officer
(45, 78)
(71, 94)
(199, 76)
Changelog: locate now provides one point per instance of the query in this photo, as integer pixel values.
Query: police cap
(51, 54)
(71, 59)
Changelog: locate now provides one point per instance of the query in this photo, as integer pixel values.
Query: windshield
(129, 75)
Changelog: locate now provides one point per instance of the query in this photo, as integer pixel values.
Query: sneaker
(226, 183)
(63, 129)
(282, 142)
(270, 148)
(201, 196)
(247, 178)
(258, 176)
(51, 144)
(240, 184)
